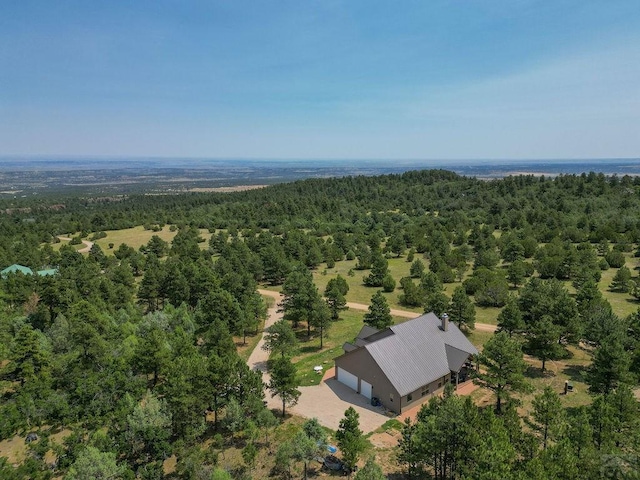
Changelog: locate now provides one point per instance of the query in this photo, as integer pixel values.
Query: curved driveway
(328, 401)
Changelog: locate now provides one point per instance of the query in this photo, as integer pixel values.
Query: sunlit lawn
(358, 293)
(137, 236)
(623, 304)
(309, 354)
(557, 372)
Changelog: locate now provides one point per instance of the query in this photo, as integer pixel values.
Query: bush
(388, 284)
(615, 259)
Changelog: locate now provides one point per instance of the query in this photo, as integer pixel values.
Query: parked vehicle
(333, 463)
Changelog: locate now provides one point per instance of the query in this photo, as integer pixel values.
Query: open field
(623, 304)
(134, 237)
(137, 236)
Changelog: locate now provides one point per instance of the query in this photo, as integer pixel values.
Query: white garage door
(349, 379)
(366, 389)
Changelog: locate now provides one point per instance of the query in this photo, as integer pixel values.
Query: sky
(351, 79)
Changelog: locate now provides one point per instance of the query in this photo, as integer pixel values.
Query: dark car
(333, 463)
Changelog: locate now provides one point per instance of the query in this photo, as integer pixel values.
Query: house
(15, 268)
(405, 363)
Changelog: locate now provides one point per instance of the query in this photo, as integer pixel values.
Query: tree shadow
(309, 349)
(576, 373)
(536, 372)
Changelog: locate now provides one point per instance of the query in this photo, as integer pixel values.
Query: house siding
(361, 364)
(416, 396)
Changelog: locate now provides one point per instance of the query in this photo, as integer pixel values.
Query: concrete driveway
(328, 401)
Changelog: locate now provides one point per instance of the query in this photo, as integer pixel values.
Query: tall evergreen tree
(510, 317)
(283, 382)
(542, 341)
(547, 412)
(280, 338)
(335, 293)
(610, 365)
(300, 296)
(379, 314)
(350, 438)
(502, 368)
(461, 310)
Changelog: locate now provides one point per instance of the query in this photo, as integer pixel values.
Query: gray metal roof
(366, 331)
(349, 347)
(419, 352)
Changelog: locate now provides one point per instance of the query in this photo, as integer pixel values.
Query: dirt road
(481, 327)
(87, 244)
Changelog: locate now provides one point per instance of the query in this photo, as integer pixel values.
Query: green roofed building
(47, 272)
(15, 268)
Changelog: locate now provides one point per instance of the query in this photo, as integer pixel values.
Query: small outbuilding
(406, 363)
(15, 268)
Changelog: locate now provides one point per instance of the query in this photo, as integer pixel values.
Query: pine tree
(350, 438)
(300, 296)
(379, 314)
(321, 319)
(621, 281)
(335, 294)
(502, 368)
(510, 318)
(370, 471)
(542, 341)
(547, 412)
(436, 302)
(379, 270)
(610, 365)
(283, 382)
(280, 338)
(461, 310)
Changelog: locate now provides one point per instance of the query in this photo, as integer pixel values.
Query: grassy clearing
(623, 304)
(137, 236)
(479, 338)
(309, 355)
(398, 267)
(571, 369)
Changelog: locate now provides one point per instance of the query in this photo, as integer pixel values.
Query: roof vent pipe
(445, 322)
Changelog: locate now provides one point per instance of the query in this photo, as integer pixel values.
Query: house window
(409, 398)
(391, 397)
(439, 384)
(425, 391)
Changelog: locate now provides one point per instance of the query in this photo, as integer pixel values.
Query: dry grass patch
(137, 236)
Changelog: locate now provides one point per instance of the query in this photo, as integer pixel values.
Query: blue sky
(345, 79)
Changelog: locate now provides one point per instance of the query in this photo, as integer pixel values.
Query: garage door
(349, 379)
(366, 389)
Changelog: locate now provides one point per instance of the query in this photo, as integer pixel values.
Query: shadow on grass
(536, 372)
(576, 373)
(309, 348)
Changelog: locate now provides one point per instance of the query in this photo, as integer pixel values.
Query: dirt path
(87, 244)
(258, 358)
(481, 327)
